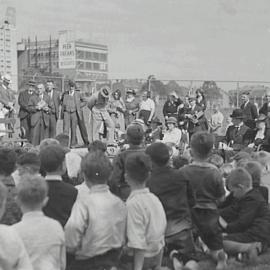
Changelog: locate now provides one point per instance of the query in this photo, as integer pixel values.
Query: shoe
(222, 258)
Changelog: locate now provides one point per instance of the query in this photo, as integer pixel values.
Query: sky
(172, 39)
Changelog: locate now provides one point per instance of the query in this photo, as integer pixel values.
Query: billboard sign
(67, 56)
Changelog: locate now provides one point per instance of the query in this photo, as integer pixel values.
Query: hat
(135, 132)
(31, 83)
(7, 78)
(262, 117)
(237, 113)
(173, 94)
(131, 91)
(105, 92)
(172, 120)
(71, 83)
(245, 93)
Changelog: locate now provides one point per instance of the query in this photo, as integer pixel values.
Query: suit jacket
(265, 109)
(36, 115)
(6, 96)
(23, 101)
(241, 138)
(250, 114)
(80, 102)
(54, 103)
(61, 199)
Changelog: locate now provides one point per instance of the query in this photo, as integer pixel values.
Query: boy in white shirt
(146, 220)
(43, 237)
(13, 255)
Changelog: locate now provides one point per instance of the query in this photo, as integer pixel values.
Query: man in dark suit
(24, 113)
(265, 109)
(238, 135)
(250, 111)
(61, 195)
(54, 104)
(39, 109)
(72, 106)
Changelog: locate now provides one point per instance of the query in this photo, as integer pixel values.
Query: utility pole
(50, 55)
(36, 53)
(28, 52)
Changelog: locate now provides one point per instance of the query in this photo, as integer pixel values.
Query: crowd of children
(147, 209)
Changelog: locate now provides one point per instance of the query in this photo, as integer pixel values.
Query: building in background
(8, 47)
(82, 61)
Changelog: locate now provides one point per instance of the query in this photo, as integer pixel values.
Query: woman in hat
(132, 106)
(173, 134)
(117, 108)
(170, 107)
(200, 99)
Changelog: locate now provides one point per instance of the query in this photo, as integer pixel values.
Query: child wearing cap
(247, 221)
(135, 138)
(43, 237)
(146, 220)
(13, 255)
(208, 188)
(95, 231)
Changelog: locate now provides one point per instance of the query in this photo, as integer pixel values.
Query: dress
(132, 107)
(116, 108)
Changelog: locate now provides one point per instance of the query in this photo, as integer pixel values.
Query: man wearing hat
(102, 125)
(238, 135)
(24, 113)
(171, 106)
(132, 106)
(250, 111)
(265, 109)
(72, 114)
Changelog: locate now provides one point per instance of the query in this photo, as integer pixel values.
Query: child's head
(97, 146)
(240, 158)
(255, 170)
(3, 199)
(96, 168)
(159, 153)
(216, 160)
(263, 158)
(226, 170)
(7, 161)
(201, 145)
(138, 167)
(63, 139)
(46, 142)
(135, 134)
(179, 162)
(32, 193)
(239, 182)
(28, 163)
(52, 159)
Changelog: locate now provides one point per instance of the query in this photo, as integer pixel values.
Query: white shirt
(172, 136)
(44, 240)
(146, 222)
(12, 251)
(148, 105)
(96, 225)
(217, 120)
(83, 191)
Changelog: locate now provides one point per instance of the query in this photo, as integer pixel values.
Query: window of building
(103, 66)
(80, 65)
(103, 57)
(88, 55)
(96, 66)
(89, 65)
(96, 56)
(80, 54)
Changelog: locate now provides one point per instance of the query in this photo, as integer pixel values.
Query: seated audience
(13, 255)
(97, 146)
(61, 195)
(207, 183)
(247, 221)
(146, 220)
(7, 166)
(135, 137)
(216, 160)
(43, 237)
(179, 162)
(95, 231)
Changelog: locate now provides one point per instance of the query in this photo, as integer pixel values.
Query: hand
(222, 223)
(166, 117)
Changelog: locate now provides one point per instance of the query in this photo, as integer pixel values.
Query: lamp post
(150, 78)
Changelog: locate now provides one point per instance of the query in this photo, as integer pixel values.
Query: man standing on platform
(147, 108)
(72, 106)
(40, 115)
(54, 103)
(24, 113)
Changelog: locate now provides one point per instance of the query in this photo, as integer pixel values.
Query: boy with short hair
(247, 221)
(208, 187)
(61, 195)
(95, 231)
(13, 255)
(146, 221)
(43, 237)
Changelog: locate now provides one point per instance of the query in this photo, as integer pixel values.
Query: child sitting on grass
(43, 237)
(247, 221)
(146, 220)
(208, 187)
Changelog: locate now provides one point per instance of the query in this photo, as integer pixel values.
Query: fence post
(237, 95)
